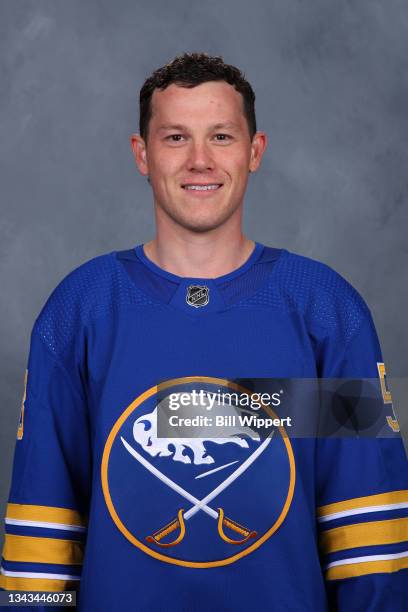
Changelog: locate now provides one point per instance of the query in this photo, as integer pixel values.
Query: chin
(201, 228)
(203, 223)
(199, 218)
(198, 226)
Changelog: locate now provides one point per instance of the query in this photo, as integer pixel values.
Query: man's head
(190, 70)
(198, 140)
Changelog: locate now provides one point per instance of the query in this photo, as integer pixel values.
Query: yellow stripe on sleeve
(47, 514)
(11, 583)
(382, 499)
(42, 550)
(364, 534)
(353, 570)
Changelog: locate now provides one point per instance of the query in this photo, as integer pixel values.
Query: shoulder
(93, 289)
(304, 277)
(320, 294)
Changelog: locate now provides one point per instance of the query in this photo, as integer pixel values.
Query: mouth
(201, 188)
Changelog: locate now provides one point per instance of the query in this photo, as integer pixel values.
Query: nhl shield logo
(197, 295)
(195, 502)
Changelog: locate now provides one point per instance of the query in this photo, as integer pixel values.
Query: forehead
(214, 101)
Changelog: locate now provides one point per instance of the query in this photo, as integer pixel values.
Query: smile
(210, 187)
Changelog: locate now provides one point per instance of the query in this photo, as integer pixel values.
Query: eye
(222, 137)
(174, 137)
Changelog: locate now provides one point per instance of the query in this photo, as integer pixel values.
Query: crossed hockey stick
(179, 521)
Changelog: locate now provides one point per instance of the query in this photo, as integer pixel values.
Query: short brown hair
(189, 70)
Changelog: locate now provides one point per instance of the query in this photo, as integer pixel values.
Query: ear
(258, 146)
(139, 152)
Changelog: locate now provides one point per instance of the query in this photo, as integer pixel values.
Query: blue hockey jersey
(101, 504)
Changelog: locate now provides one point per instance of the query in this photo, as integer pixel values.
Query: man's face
(198, 153)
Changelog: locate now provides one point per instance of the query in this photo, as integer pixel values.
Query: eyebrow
(217, 126)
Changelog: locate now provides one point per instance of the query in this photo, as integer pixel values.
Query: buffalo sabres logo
(204, 501)
(197, 295)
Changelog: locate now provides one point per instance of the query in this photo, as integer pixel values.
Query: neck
(200, 255)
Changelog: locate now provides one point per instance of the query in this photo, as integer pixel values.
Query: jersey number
(20, 430)
(386, 393)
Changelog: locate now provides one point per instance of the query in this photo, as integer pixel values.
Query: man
(99, 501)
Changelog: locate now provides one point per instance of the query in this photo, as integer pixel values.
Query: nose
(200, 157)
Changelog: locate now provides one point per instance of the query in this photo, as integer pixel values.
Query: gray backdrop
(332, 93)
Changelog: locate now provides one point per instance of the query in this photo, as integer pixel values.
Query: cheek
(237, 165)
(239, 174)
(166, 169)
(161, 164)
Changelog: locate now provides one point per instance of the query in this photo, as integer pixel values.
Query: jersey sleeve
(46, 516)
(362, 496)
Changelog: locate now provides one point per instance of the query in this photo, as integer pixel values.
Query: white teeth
(201, 187)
